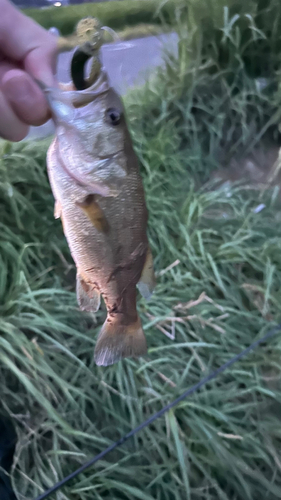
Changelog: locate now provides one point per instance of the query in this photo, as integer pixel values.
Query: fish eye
(113, 116)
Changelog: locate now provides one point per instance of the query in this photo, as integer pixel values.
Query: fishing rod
(159, 414)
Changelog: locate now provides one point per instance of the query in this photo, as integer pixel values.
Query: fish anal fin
(147, 280)
(94, 213)
(118, 340)
(88, 297)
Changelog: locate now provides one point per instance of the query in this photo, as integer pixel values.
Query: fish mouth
(81, 98)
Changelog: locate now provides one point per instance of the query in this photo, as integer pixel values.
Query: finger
(41, 62)
(11, 127)
(25, 97)
(27, 43)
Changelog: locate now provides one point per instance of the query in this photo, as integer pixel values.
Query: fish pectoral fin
(57, 210)
(88, 297)
(117, 341)
(94, 213)
(147, 280)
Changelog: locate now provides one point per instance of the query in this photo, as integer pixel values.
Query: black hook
(78, 62)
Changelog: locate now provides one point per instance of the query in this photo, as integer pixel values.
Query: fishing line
(161, 412)
(113, 33)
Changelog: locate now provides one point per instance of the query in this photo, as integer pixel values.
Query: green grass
(117, 14)
(223, 442)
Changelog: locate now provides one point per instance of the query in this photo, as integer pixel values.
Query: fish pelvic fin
(88, 297)
(147, 280)
(57, 210)
(118, 340)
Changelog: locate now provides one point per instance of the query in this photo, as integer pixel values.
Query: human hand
(27, 51)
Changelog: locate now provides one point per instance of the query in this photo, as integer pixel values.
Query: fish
(99, 196)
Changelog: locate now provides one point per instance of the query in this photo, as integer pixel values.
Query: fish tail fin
(118, 340)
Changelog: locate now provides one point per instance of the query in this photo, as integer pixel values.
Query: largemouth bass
(99, 196)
